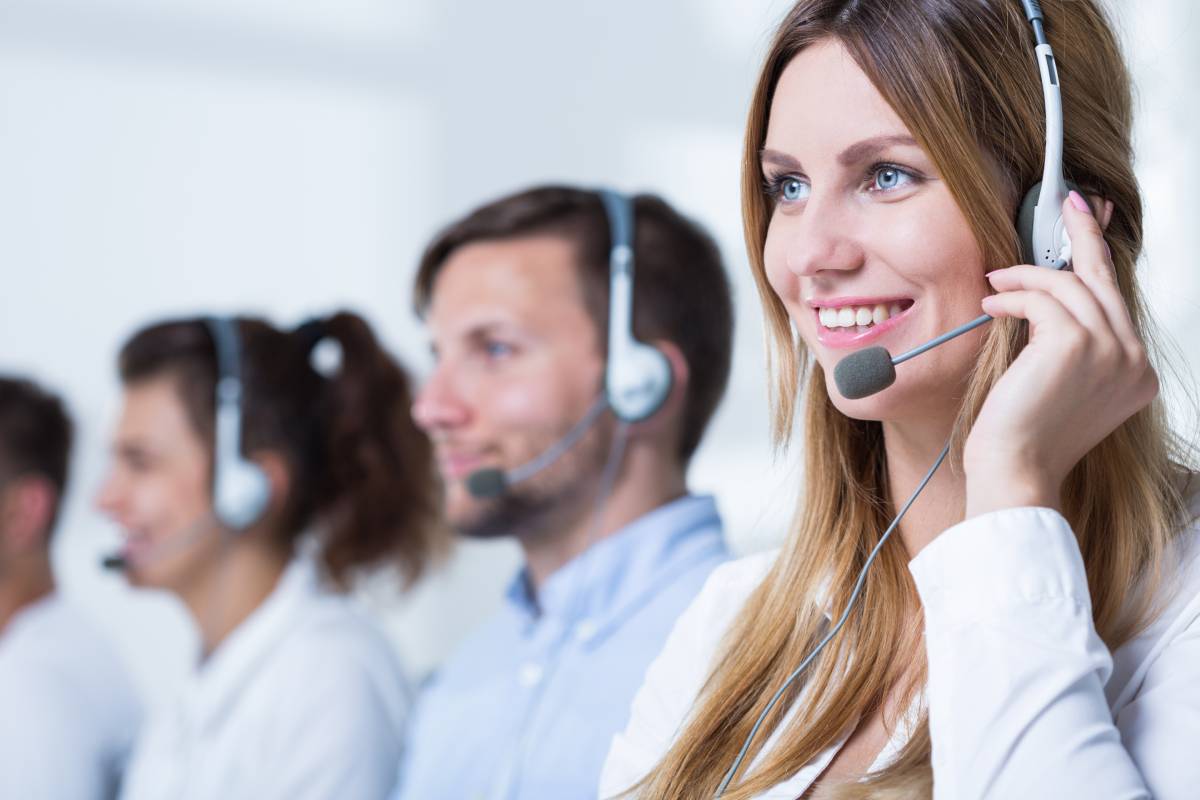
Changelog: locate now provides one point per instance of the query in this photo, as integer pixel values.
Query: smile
(849, 322)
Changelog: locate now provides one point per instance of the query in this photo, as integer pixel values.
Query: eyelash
(773, 184)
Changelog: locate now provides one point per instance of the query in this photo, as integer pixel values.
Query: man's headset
(637, 376)
(1044, 242)
(241, 491)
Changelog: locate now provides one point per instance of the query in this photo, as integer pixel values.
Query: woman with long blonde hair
(1033, 628)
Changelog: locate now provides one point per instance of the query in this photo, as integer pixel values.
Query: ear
(27, 505)
(667, 418)
(1102, 209)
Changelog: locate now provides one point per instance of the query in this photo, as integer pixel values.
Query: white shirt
(305, 700)
(68, 711)
(1024, 699)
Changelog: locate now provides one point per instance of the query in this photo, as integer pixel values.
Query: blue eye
(792, 190)
(786, 189)
(498, 349)
(887, 177)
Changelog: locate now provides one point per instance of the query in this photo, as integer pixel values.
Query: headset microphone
(123, 560)
(485, 484)
(115, 561)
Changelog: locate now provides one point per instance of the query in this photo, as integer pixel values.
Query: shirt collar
(216, 685)
(618, 568)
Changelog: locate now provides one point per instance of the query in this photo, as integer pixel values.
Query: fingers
(1092, 262)
(1066, 287)
(1090, 258)
(1040, 308)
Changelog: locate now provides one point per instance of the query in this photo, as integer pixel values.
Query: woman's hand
(1083, 373)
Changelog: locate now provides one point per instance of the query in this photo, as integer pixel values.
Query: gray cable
(862, 575)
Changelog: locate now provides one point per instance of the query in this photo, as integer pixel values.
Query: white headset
(1044, 238)
(241, 491)
(637, 377)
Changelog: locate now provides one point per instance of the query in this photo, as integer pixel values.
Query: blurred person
(565, 406)
(68, 712)
(256, 474)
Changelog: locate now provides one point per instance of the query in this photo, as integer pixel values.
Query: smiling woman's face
(866, 246)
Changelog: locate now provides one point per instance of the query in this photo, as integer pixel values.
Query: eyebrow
(854, 154)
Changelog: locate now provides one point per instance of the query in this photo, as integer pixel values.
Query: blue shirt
(527, 707)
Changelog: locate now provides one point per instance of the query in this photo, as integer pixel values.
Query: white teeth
(858, 317)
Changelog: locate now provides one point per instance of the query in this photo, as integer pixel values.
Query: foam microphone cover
(864, 373)
(487, 483)
(115, 561)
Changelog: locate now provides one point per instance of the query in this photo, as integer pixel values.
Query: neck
(22, 584)
(646, 481)
(238, 582)
(912, 448)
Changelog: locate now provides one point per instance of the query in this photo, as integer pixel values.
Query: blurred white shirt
(1024, 699)
(68, 711)
(305, 700)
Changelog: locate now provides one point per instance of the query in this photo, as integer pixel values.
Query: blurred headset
(241, 491)
(637, 378)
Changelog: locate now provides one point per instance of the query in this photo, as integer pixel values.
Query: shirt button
(530, 674)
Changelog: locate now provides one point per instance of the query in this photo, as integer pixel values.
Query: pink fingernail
(1078, 201)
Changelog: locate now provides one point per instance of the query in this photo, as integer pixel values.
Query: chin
(902, 400)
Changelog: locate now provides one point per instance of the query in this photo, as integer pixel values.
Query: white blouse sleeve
(675, 677)
(1017, 706)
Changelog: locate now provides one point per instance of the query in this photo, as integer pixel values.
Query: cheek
(517, 403)
(164, 499)
(782, 280)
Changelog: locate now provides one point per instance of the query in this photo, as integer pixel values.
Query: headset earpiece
(241, 489)
(1042, 235)
(637, 378)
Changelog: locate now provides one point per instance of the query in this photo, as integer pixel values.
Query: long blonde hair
(963, 77)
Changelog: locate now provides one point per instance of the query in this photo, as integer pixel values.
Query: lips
(848, 322)
(456, 465)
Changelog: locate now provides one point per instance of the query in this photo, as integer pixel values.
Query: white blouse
(1024, 699)
(305, 700)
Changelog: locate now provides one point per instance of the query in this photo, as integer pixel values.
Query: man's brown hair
(35, 435)
(681, 293)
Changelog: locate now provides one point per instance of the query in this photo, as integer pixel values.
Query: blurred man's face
(519, 363)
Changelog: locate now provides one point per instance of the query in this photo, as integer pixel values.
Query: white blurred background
(161, 157)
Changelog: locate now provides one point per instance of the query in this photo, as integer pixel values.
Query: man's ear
(279, 477)
(27, 506)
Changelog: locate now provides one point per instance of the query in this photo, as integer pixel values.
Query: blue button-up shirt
(527, 707)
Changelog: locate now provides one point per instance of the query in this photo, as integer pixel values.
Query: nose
(439, 406)
(822, 241)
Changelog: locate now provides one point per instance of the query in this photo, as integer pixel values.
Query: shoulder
(338, 662)
(676, 676)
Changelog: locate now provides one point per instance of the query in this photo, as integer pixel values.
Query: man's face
(518, 364)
